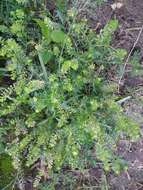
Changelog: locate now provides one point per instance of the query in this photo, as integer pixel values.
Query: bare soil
(130, 17)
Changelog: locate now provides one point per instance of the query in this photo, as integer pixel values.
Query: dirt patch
(130, 17)
(133, 178)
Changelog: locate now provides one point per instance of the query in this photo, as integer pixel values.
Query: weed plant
(60, 108)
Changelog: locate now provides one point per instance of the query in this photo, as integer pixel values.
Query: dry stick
(129, 55)
(132, 29)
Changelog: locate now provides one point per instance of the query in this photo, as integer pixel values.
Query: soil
(130, 17)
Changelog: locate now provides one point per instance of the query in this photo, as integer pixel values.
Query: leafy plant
(136, 69)
(6, 171)
(59, 102)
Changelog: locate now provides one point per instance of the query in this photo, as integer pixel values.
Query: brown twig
(132, 29)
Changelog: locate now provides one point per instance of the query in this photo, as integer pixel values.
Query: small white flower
(115, 6)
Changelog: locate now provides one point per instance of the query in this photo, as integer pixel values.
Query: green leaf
(46, 32)
(34, 85)
(74, 64)
(61, 4)
(112, 25)
(120, 54)
(4, 29)
(94, 104)
(1, 148)
(67, 65)
(58, 36)
(106, 34)
(46, 55)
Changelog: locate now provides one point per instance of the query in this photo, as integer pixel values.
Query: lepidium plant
(60, 102)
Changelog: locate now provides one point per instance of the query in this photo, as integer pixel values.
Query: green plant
(60, 102)
(6, 171)
(136, 69)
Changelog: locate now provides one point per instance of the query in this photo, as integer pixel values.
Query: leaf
(74, 64)
(94, 104)
(46, 55)
(1, 148)
(34, 85)
(42, 65)
(39, 103)
(46, 32)
(121, 53)
(17, 28)
(61, 4)
(112, 25)
(105, 36)
(67, 65)
(4, 29)
(58, 36)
